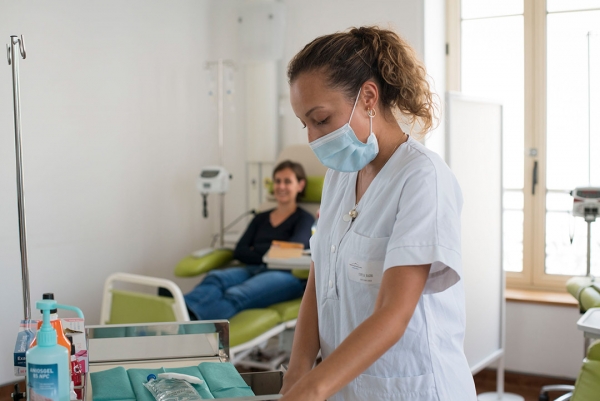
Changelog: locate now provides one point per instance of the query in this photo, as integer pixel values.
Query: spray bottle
(48, 363)
(56, 323)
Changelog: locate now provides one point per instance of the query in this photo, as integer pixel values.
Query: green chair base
(192, 266)
(251, 323)
(287, 310)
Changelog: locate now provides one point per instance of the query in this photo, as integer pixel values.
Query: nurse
(384, 301)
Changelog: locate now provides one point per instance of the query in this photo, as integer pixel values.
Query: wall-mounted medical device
(213, 179)
(586, 202)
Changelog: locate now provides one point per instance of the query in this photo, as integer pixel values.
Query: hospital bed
(249, 328)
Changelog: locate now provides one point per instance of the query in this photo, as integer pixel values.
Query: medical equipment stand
(221, 64)
(589, 219)
(13, 60)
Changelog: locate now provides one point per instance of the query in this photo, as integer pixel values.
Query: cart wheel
(17, 395)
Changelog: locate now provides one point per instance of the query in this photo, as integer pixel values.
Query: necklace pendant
(353, 214)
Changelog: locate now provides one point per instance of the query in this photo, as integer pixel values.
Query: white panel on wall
(474, 153)
(543, 339)
(435, 62)
(261, 111)
(262, 29)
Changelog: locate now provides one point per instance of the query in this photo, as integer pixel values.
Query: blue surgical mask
(341, 150)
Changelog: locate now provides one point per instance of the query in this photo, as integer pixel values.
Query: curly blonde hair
(351, 58)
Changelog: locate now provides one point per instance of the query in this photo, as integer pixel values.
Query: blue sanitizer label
(42, 382)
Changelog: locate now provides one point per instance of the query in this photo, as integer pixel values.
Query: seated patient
(225, 292)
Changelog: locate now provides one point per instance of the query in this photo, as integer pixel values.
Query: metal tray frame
(170, 344)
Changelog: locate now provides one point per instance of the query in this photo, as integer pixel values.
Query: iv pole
(221, 64)
(13, 60)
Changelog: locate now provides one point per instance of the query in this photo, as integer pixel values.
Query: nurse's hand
(399, 294)
(301, 392)
(306, 339)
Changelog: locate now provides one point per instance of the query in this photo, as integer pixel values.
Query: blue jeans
(224, 293)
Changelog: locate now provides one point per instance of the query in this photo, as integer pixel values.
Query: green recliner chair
(252, 327)
(587, 386)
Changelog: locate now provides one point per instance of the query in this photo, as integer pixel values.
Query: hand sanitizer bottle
(47, 364)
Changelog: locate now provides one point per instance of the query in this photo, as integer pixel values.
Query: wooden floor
(527, 386)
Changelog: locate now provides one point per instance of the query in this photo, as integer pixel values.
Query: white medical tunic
(409, 215)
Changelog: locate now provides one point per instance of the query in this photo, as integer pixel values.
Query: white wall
(307, 19)
(543, 339)
(116, 124)
(435, 61)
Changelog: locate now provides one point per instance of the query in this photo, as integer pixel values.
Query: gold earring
(371, 112)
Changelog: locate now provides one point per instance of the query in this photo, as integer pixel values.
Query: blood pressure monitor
(586, 202)
(213, 179)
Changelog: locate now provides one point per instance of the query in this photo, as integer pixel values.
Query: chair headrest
(312, 190)
(304, 155)
(315, 172)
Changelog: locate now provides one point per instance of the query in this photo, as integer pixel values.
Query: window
(541, 59)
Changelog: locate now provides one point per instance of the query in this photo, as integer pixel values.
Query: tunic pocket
(366, 255)
(415, 388)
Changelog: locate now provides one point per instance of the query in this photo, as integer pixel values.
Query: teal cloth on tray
(202, 389)
(139, 376)
(223, 380)
(112, 385)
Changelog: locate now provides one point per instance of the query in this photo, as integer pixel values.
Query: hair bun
(359, 33)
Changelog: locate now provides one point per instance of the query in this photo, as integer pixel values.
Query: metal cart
(169, 345)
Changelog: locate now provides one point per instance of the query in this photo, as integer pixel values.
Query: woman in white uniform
(384, 301)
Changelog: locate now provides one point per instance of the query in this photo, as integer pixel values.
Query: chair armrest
(191, 266)
(302, 274)
(584, 291)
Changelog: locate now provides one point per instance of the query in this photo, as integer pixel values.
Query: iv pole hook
(22, 48)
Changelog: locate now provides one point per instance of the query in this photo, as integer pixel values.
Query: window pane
(512, 238)
(490, 8)
(573, 134)
(513, 200)
(562, 256)
(567, 121)
(492, 68)
(513, 230)
(570, 5)
(594, 69)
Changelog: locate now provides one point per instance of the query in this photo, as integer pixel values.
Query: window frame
(533, 275)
